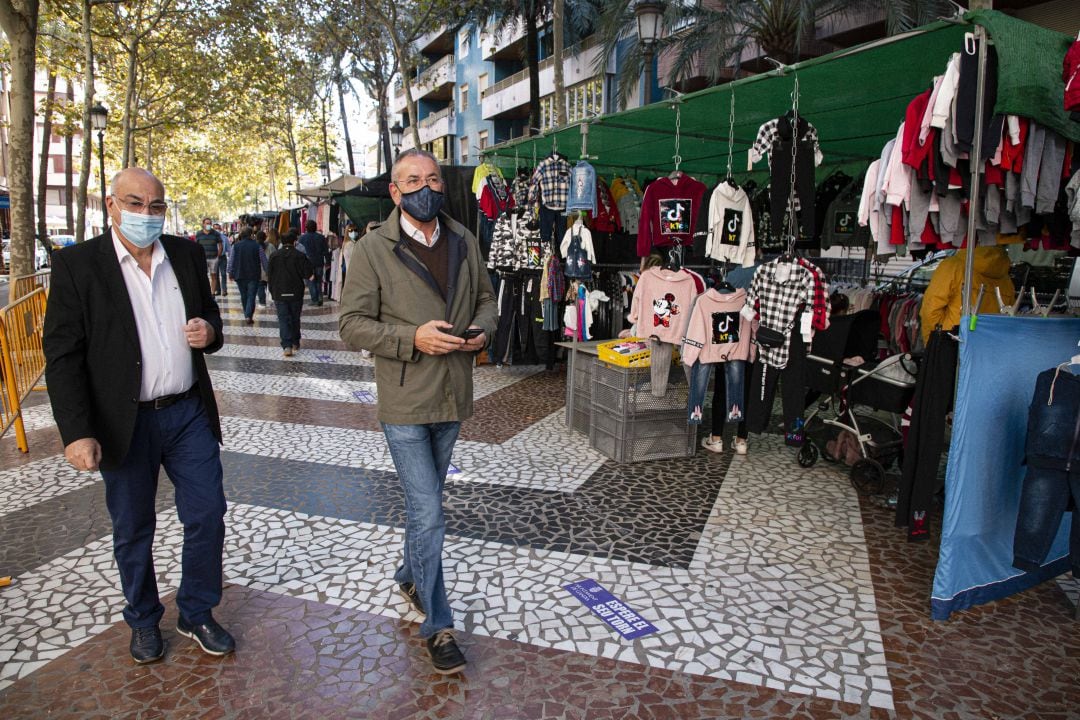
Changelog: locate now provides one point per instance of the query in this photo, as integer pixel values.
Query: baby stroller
(885, 386)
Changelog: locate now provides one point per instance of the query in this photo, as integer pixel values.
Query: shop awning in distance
(341, 184)
(855, 97)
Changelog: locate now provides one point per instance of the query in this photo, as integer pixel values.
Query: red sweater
(669, 213)
(1070, 73)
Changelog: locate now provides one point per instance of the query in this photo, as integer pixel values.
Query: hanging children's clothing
(577, 248)
(549, 189)
(669, 213)
(661, 309)
(718, 332)
(774, 140)
(482, 170)
(627, 194)
(515, 243)
(582, 195)
(731, 226)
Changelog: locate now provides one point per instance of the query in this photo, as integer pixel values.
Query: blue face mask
(141, 230)
(423, 204)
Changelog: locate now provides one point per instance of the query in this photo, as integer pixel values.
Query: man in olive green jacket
(416, 287)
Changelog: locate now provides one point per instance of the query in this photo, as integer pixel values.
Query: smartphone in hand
(472, 333)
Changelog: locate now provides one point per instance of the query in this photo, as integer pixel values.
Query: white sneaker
(740, 446)
(716, 446)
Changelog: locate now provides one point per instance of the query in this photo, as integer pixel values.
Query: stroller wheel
(808, 455)
(868, 476)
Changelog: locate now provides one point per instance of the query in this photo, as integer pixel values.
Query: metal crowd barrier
(26, 284)
(23, 358)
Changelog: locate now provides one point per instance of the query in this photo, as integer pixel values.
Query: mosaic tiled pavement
(776, 592)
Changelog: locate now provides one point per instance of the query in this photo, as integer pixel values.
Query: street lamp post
(324, 168)
(99, 118)
(650, 15)
(396, 134)
(290, 190)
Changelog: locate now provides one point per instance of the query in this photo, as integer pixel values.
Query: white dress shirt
(160, 317)
(417, 234)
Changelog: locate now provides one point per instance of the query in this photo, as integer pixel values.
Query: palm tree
(712, 37)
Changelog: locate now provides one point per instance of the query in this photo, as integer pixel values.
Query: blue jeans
(248, 289)
(288, 318)
(552, 226)
(178, 437)
(734, 382)
(421, 456)
(223, 273)
(315, 286)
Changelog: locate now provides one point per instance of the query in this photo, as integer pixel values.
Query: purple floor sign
(324, 358)
(610, 609)
(364, 396)
(452, 470)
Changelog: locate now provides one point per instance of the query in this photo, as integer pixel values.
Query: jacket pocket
(403, 366)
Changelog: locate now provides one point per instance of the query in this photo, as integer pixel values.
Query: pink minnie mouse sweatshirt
(662, 303)
(718, 332)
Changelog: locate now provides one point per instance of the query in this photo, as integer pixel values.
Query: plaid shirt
(550, 183)
(779, 304)
(769, 134)
(821, 296)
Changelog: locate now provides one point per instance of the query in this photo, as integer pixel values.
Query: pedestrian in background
(267, 250)
(318, 252)
(288, 272)
(210, 241)
(223, 261)
(245, 268)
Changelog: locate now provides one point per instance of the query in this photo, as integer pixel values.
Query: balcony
(436, 125)
(439, 41)
(436, 82)
(506, 45)
(509, 98)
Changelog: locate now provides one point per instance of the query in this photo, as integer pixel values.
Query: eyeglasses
(158, 207)
(415, 182)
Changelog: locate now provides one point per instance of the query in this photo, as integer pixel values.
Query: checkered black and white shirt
(550, 183)
(769, 134)
(779, 303)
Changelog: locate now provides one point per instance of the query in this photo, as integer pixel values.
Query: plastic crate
(582, 415)
(583, 372)
(659, 436)
(627, 392)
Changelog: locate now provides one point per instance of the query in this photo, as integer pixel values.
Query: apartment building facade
(473, 90)
(57, 196)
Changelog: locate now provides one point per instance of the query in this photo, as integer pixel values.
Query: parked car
(41, 256)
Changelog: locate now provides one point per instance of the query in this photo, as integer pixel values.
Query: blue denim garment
(248, 290)
(582, 188)
(734, 381)
(288, 315)
(1053, 473)
(421, 456)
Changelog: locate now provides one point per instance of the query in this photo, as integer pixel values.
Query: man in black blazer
(129, 319)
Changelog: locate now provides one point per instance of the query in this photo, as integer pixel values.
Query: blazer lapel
(113, 278)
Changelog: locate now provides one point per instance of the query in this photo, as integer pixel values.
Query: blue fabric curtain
(999, 362)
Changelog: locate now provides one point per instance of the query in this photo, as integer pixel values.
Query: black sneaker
(146, 645)
(446, 657)
(408, 591)
(212, 638)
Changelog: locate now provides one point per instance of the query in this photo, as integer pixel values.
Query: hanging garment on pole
(577, 248)
(731, 226)
(582, 188)
(774, 140)
(669, 212)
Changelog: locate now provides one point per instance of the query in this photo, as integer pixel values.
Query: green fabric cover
(855, 97)
(362, 210)
(1029, 70)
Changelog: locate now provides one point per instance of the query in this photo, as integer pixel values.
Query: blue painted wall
(470, 123)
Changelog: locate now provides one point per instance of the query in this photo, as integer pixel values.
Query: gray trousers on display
(660, 366)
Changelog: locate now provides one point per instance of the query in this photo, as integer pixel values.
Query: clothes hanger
(724, 285)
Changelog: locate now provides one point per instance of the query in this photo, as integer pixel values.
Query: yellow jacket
(942, 301)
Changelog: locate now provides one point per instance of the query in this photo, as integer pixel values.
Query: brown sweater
(436, 259)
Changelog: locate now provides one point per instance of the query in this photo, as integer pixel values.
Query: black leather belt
(167, 400)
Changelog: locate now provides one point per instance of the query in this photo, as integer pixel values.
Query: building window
(482, 83)
(464, 42)
(463, 101)
(59, 163)
(482, 139)
(464, 150)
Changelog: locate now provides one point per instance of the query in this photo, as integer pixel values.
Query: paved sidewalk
(776, 592)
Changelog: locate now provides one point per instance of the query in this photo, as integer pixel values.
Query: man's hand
(83, 454)
(199, 333)
(475, 344)
(431, 340)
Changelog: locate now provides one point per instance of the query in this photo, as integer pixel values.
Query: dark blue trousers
(180, 439)
(288, 317)
(248, 290)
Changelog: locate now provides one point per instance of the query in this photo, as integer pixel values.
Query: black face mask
(423, 204)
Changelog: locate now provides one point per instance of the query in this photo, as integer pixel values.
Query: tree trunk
(559, 101)
(20, 23)
(532, 59)
(384, 131)
(410, 104)
(345, 124)
(87, 140)
(149, 163)
(126, 123)
(43, 161)
(69, 151)
(323, 115)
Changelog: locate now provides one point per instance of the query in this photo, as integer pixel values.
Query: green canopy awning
(855, 97)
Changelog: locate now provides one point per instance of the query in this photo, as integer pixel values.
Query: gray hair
(413, 153)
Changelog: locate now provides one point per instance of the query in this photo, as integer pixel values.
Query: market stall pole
(574, 338)
(981, 40)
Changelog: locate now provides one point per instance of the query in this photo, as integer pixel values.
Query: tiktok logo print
(675, 216)
(663, 310)
(733, 220)
(725, 328)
